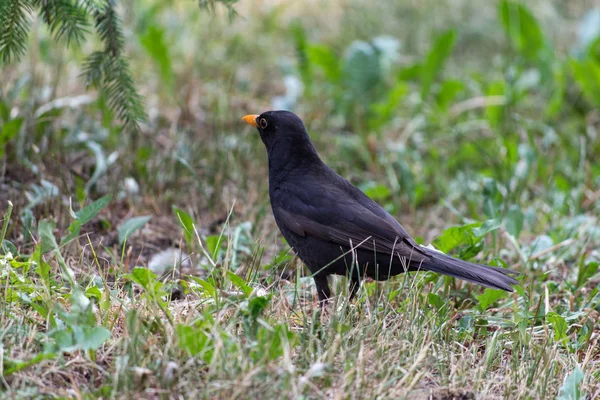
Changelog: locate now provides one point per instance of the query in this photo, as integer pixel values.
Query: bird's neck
(287, 158)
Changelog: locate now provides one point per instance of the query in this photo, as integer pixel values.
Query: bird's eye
(263, 123)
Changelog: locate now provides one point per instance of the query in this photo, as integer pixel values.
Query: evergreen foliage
(69, 20)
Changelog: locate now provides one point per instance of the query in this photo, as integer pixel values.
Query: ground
(148, 264)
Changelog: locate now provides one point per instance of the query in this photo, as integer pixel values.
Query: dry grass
(415, 337)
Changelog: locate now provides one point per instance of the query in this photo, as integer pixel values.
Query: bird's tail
(492, 277)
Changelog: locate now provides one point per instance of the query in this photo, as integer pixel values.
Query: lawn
(139, 257)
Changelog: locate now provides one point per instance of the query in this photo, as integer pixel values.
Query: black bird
(334, 227)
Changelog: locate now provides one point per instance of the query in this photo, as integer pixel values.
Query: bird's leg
(354, 285)
(322, 289)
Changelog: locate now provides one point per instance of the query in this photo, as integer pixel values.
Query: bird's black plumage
(334, 227)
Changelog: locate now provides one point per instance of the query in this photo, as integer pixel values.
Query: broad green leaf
(456, 236)
(495, 113)
(384, 111)
(327, 60)
(378, 193)
(559, 80)
(64, 340)
(435, 300)
(257, 305)
(489, 297)
(586, 271)
(186, 222)
(8, 131)
(207, 286)
(42, 268)
(93, 291)
(521, 28)
(130, 226)
(488, 226)
(45, 231)
(587, 77)
(570, 390)
(86, 214)
(8, 246)
(361, 70)
(91, 338)
(11, 366)
(195, 341)
(27, 224)
(239, 282)
(559, 325)
(514, 221)
(101, 164)
(448, 92)
(153, 40)
(213, 245)
(74, 230)
(144, 277)
(434, 62)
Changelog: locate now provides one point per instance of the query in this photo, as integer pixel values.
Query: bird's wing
(344, 215)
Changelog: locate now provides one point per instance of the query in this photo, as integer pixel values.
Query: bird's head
(283, 134)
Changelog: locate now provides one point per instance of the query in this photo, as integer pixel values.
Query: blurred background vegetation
(476, 124)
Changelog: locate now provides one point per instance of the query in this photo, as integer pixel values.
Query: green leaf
(435, 301)
(385, 110)
(45, 231)
(559, 325)
(130, 226)
(434, 62)
(86, 214)
(448, 92)
(15, 22)
(570, 390)
(207, 286)
(42, 268)
(239, 282)
(74, 230)
(213, 245)
(521, 28)
(379, 193)
(63, 339)
(93, 291)
(8, 246)
(186, 222)
(586, 271)
(195, 341)
(514, 221)
(143, 277)
(489, 297)
(361, 70)
(101, 164)
(587, 77)
(257, 305)
(456, 236)
(8, 131)
(11, 366)
(153, 40)
(495, 113)
(488, 226)
(326, 59)
(91, 338)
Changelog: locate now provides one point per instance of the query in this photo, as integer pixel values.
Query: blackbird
(335, 228)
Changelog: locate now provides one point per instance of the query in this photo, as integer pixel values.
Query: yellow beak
(251, 119)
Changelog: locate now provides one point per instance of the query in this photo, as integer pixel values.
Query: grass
(479, 133)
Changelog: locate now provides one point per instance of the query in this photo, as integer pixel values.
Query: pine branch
(14, 28)
(210, 5)
(64, 18)
(108, 25)
(122, 94)
(109, 70)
